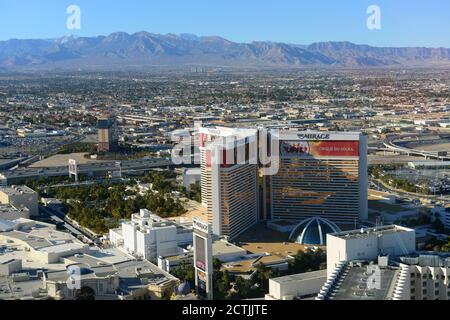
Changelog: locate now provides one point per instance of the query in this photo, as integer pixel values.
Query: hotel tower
(229, 179)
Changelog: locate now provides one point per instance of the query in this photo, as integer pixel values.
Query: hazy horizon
(212, 35)
(403, 23)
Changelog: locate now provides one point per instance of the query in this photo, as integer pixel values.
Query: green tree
(306, 261)
(185, 272)
(195, 192)
(85, 293)
(263, 274)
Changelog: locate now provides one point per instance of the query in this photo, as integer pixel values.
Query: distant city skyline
(403, 23)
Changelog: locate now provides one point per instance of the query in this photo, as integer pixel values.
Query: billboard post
(73, 169)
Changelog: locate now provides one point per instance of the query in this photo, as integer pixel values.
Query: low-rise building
(351, 271)
(8, 267)
(9, 212)
(367, 244)
(38, 262)
(20, 197)
(297, 286)
(413, 277)
(398, 273)
(128, 280)
(424, 277)
(149, 236)
(223, 250)
(41, 242)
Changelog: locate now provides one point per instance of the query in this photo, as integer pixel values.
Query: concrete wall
(129, 237)
(101, 286)
(369, 246)
(115, 238)
(286, 288)
(336, 252)
(184, 238)
(27, 200)
(166, 241)
(363, 179)
(9, 267)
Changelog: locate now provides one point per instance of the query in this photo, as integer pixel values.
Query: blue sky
(404, 22)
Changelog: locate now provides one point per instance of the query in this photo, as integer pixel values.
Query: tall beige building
(107, 134)
(229, 183)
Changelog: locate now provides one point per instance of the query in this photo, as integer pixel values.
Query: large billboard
(319, 148)
(73, 169)
(200, 254)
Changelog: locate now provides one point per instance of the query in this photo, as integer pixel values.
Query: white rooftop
(228, 132)
(17, 190)
(362, 233)
(9, 212)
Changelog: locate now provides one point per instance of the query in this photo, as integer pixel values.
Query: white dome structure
(313, 231)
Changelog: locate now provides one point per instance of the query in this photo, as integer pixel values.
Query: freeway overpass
(390, 145)
(140, 118)
(92, 169)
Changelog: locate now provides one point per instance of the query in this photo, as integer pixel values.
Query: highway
(389, 143)
(21, 175)
(410, 196)
(59, 218)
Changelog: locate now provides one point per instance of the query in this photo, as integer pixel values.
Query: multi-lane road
(390, 144)
(59, 218)
(410, 196)
(92, 169)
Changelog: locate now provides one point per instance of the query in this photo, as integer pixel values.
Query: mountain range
(143, 49)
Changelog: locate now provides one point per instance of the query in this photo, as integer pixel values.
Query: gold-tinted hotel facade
(320, 175)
